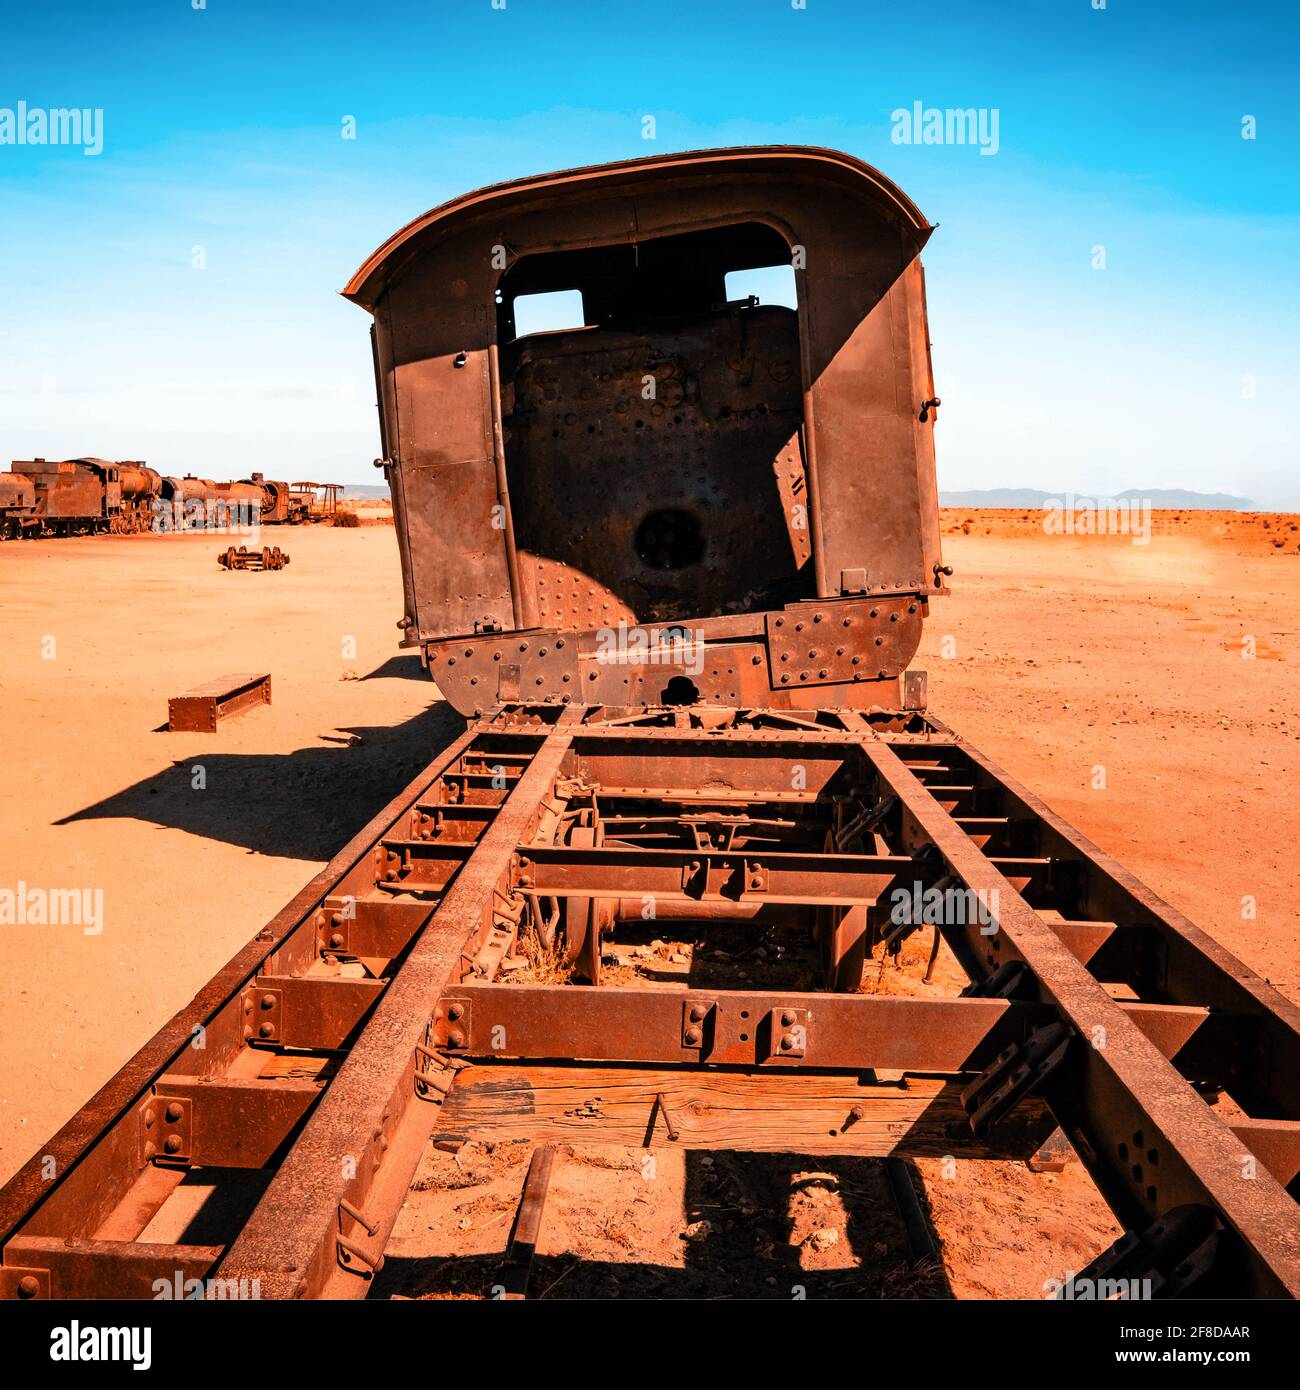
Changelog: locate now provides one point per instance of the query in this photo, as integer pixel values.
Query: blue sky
(1175, 365)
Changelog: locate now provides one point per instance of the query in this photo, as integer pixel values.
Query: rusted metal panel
(201, 709)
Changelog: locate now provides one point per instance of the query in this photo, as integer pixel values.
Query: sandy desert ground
(1169, 664)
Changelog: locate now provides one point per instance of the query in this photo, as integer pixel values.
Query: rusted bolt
(174, 1112)
(28, 1286)
(455, 1038)
(172, 1144)
(693, 1037)
(336, 918)
(268, 1001)
(149, 1118)
(267, 1030)
(787, 1042)
(697, 1013)
(788, 1016)
(336, 940)
(455, 1011)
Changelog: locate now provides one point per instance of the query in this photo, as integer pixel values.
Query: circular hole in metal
(670, 539)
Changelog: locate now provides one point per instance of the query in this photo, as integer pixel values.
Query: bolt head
(693, 1037)
(28, 1286)
(172, 1143)
(173, 1112)
(267, 1030)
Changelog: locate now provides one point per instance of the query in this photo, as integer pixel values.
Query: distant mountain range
(1169, 498)
(366, 490)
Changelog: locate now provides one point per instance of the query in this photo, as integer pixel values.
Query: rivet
(174, 1112)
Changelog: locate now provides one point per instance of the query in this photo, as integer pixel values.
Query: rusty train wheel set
(672, 565)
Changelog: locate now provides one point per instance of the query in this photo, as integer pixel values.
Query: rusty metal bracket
(1163, 1261)
(449, 1030)
(699, 1020)
(1017, 1072)
(787, 1032)
(263, 1014)
(351, 1254)
(166, 1129)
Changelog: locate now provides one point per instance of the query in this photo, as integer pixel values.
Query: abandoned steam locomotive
(685, 495)
(90, 495)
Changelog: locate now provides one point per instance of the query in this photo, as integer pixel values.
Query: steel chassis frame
(296, 1093)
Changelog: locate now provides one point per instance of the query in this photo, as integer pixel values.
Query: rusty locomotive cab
(669, 490)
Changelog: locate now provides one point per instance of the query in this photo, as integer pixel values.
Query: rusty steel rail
(384, 1008)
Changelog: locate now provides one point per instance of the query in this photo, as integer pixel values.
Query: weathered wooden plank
(747, 1111)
